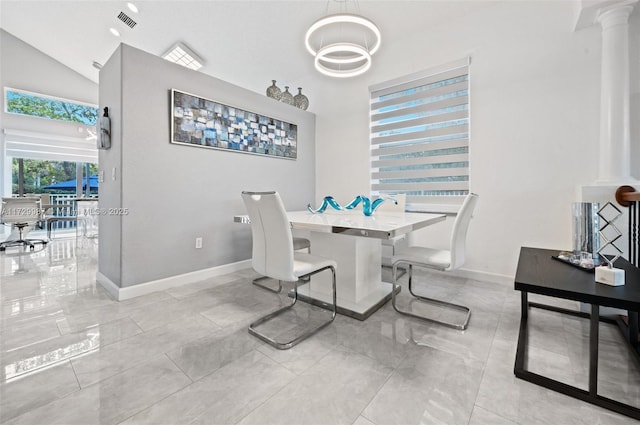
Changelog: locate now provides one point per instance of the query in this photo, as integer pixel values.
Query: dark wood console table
(538, 273)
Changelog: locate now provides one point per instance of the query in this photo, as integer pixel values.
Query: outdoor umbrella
(70, 185)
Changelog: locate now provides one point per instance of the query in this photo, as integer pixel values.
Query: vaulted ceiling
(244, 42)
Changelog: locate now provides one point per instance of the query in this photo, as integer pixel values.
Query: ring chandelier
(349, 56)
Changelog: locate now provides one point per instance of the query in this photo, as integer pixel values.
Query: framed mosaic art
(205, 123)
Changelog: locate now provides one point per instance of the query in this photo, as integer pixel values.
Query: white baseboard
(128, 292)
(108, 284)
(484, 276)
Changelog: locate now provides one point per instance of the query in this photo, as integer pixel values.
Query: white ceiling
(244, 42)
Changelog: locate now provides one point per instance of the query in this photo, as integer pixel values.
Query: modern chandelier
(342, 43)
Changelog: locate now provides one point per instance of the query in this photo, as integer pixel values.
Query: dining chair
(273, 256)
(21, 212)
(443, 260)
(298, 244)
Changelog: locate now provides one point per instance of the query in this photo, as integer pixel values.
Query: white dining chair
(298, 244)
(443, 260)
(273, 256)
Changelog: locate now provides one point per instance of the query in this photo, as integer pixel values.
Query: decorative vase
(274, 91)
(301, 101)
(585, 228)
(286, 96)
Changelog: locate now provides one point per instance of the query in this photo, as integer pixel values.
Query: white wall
(634, 59)
(26, 68)
(175, 193)
(535, 87)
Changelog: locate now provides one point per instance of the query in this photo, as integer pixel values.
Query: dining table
(354, 241)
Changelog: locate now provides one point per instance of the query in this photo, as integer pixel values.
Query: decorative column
(615, 147)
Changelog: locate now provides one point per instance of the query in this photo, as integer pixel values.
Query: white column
(615, 148)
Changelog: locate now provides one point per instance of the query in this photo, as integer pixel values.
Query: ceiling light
(115, 32)
(132, 7)
(184, 56)
(357, 64)
(342, 43)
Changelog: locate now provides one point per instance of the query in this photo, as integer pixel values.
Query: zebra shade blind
(420, 135)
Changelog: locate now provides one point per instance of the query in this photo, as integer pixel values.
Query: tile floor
(72, 355)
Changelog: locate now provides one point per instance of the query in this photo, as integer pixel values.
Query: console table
(538, 273)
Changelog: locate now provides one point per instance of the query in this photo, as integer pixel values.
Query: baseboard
(483, 276)
(108, 284)
(133, 291)
(128, 292)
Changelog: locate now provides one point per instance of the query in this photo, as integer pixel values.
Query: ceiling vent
(127, 20)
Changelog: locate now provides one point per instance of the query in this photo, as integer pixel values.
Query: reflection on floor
(72, 355)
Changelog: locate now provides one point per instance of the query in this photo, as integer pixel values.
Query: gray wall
(110, 191)
(175, 193)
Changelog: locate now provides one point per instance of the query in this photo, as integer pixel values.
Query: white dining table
(354, 241)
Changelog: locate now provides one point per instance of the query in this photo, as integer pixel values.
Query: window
(37, 105)
(43, 158)
(43, 176)
(420, 136)
(53, 144)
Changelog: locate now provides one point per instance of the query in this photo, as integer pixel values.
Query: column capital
(614, 15)
(592, 12)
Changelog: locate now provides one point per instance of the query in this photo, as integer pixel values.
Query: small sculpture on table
(368, 207)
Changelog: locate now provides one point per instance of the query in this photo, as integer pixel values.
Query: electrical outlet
(198, 243)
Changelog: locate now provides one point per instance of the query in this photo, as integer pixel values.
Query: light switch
(101, 176)
(113, 173)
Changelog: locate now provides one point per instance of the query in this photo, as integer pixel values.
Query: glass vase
(301, 101)
(585, 225)
(274, 91)
(286, 96)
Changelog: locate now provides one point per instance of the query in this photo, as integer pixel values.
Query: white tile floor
(72, 355)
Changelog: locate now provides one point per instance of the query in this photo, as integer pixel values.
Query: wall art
(201, 122)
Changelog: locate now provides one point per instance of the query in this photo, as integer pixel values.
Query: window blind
(32, 145)
(420, 135)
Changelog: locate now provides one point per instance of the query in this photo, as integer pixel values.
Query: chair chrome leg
(460, 326)
(288, 344)
(257, 280)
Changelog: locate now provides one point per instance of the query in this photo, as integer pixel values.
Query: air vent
(127, 20)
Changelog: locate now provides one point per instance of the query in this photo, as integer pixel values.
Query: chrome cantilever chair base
(288, 344)
(460, 326)
(257, 281)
